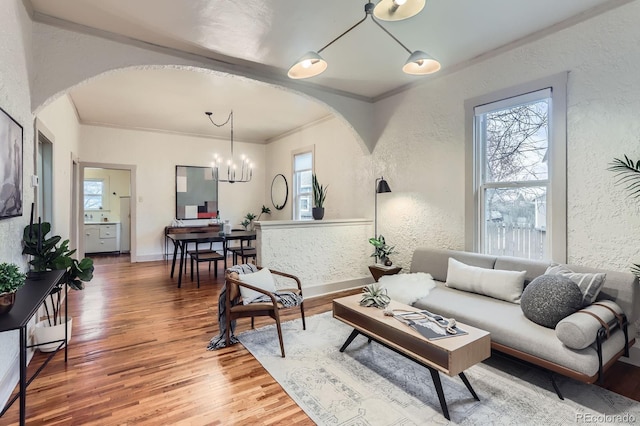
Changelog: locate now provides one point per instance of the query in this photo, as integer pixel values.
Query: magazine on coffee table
(430, 325)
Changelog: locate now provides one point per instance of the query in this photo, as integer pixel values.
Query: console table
(28, 299)
(186, 230)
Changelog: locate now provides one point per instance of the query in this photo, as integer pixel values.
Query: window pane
(515, 142)
(93, 187)
(516, 222)
(303, 161)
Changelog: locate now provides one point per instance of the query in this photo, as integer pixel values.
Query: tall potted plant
(319, 195)
(47, 255)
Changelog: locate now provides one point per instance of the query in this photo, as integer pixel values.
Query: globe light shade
(397, 10)
(420, 63)
(309, 65)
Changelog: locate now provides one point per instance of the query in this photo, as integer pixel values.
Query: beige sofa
(511, 332)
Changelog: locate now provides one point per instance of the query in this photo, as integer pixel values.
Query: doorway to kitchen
(107, 210)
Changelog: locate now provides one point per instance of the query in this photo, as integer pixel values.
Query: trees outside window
(516, 199)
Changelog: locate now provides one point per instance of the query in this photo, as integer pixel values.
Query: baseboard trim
(9, 382)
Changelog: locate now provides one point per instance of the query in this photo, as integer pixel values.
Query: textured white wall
(156, 155)
(422, 145)
(60, 119)
(327, 255)
(15, 62)
(340, 162)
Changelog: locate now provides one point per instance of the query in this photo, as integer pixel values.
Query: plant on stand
(319, 195)
(11, 279)
(47, 255)
(247, 223)
(628, 173)
(382, 250)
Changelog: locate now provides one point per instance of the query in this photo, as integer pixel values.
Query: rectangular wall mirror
(196, 193)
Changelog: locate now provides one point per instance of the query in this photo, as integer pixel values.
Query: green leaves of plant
(319, 192)
(627, 174)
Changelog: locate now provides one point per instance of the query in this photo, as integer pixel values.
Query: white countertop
(101, 223)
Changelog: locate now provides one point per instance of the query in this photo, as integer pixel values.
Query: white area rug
(371, 385)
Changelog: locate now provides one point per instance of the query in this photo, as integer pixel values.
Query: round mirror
(279, 192)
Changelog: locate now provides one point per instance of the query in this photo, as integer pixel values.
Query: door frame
(132, 186)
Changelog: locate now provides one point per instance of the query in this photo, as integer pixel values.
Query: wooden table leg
(181, 265)
(175, 253)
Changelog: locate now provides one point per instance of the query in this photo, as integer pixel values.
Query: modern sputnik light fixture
(235, 173)
(419, 62)
(397, 10)
(381, 187)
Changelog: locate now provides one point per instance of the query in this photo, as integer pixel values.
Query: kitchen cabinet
(102, 237)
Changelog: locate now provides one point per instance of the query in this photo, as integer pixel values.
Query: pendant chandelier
(242, 172)
(419, 62)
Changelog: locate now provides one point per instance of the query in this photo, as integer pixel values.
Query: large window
(302, 173)
(518, 163)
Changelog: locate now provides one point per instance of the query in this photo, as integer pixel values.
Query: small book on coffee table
(430, 325)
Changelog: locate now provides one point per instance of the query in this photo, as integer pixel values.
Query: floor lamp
(381, 186)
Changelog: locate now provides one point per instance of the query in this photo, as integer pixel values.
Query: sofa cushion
(499, 284)
(550, 298)
(579, 330)
(509, 327)
(590, 284)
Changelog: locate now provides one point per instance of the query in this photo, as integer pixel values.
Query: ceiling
(267, 36)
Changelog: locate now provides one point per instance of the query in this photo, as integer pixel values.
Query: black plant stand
(28, 300)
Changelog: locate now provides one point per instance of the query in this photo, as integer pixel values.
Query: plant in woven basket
(375, 295)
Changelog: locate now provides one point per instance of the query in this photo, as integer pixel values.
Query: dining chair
(235, 308)
(200, 256)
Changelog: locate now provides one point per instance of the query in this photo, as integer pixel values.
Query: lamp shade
(309, 65)
(420, 63)
(397, 10)
(383, 187)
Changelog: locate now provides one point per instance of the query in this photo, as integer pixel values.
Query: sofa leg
(555, 386)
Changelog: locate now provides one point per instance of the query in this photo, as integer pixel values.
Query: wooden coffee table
(450, 355)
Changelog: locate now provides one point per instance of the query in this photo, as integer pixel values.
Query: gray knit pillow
(550, 298)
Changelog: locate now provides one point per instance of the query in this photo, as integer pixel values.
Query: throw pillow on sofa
(589, 284)
(496, 283)
(550, 298)
(579, 330)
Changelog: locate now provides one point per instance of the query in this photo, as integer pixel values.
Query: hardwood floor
(138, 356)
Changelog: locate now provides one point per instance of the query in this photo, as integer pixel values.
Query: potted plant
(628, 173)
(319, 195)
(47, 255)
(11, 279)
(382, 250)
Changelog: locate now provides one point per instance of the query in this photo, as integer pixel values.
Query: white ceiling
(267, 36)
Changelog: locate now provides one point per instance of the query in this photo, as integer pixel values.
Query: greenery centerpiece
(11, 279)
(382, 250)
(319, 195)
(628, 173)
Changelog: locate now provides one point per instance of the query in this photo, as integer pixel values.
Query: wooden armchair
(236, 309)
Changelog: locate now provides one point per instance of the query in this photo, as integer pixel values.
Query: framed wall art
(10, 166)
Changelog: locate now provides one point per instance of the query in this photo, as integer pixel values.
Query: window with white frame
(302, 173)
(519, 179)
(94, 193)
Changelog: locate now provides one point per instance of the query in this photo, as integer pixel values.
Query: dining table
(182, 240)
